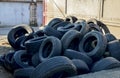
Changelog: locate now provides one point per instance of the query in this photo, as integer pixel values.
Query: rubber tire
(97, 52)
(114, 49)
(94, 27)
(80, 20)
(61, 24)
(71, 39)
(39, 33)
(18, 31)
(55, 21)
(53, 66)
(2, 60)
(50, 47)
(8, 61)
(66, 28)
(110, 37)
(49, 31)
(20, 59)
(72, 54)
(71, 19)
(100, 24)
(81, 66)
(105, 63)
(35, 59)
(82, 27)
(33, 45)
(23, 72)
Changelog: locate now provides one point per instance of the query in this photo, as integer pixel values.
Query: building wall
(17, 13)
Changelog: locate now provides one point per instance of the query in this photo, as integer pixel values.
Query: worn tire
(21, 59)
(71, 39)
(55, 21)
(49, 31)
(101, 25)
(105, 63)
(8, 61)
(23, 72)
(54, 66)
(50, 47)
(16, 32)
(82, 27)
(61, 24)
(97, 52)
(81, 66)
(39, 33)
(110, 37)
(114, 49)
(71, 19)
(33, 45)
(72, 54)
(35, 59)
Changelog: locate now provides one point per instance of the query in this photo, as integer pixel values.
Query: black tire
(114, 49)
(54, 66)
(82, 27)
(72, 54)
(101, 25)
(71, 19)
(66, 28)
(33, 45)
(97, 52)
(39, 33)
(81, 66)
(8, 61)
(61, 24)
(49, 31)
(55, 21)
(71, 39)
(2, 60)
(50, 47)
(94, 27)
(35, 59)
(18, 42)
(105, 63)
(80, 20)
(16, 32)
(23, 72)
(110, 37)
(21, 59)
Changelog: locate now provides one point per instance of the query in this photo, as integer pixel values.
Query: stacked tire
(64, 48)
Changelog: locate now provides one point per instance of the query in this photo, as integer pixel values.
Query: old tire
(23, 72)
(105, 63)
(50, 47)
(110, 37)
(71, 19)
(114, 49)
(35, 59)
(96, 52)
(81, 66)
(53, 66)
(16, 32)
(72, 54)
(49, 31)
(33, 45)
(20, 59)
(71, 39)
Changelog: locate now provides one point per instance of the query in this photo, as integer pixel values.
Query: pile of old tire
(63, 48)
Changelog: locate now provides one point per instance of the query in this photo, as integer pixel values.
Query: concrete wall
(17, 13)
